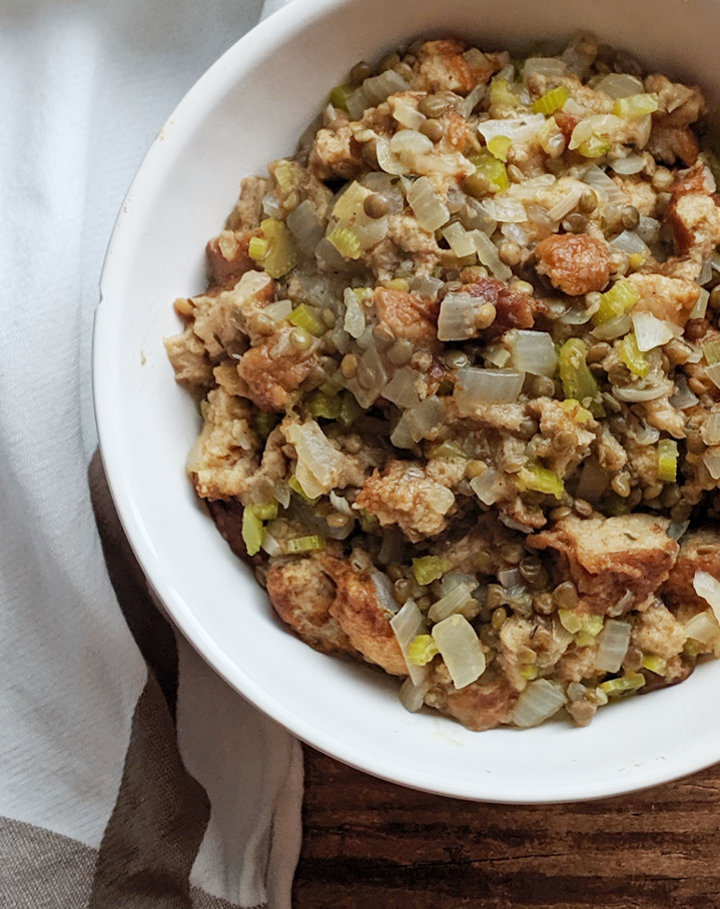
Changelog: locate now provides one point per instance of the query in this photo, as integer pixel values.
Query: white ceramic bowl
(248, 109)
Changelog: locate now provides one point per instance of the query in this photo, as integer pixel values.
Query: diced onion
(703, 627)
(388, 161)
(711, 460)
(319, 463)
(518, 130)
(708, 587)
(632, 164)
(407, 624)
(614, 643)
(630, 242)
(460, 649)
(461, 242)
(710, 430)
(533, 352)
(538, 702)
(412, 697)
(408, 142)
(372, 370)
(407, 115)
(683, 397)
(504, 210)
(417, 422)
(698, 311)
(456, 319)
(619, 85)
(354, 322)
(279, 310)
(566, 203)
(552, 67)
(486, 486)
(429, 209)
(452, 602)
(636, 394)
(401, 389)
(305, 226)
(486, 386)
(650, 331)
(488, 256)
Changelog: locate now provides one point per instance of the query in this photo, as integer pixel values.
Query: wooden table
(369, 844)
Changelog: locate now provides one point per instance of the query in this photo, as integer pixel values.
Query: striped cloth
(130, 774)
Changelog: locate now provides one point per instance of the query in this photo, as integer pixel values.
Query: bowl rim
(276, 29)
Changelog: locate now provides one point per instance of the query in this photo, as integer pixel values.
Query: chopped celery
(258, 248)
(615, 302)
(264, 423)
(667, 460)
(529, 672)
(395, 284)
(294, 484)
(594, 147)
(575, 410)
(266, 512)
(285, 173)
(501, 95)
(427, 569)
(630, 682)
(551, 101)
(632, 356)
(654, 663)
(498, 147)
(350, 410)
(540, 479)
(448, 449)
(636, 105)
(614, 505)
(491, 169)
(346, 242)
(252, 530)
(311, 543)
(339, 94)
(275, 251)
(711, 351)
(320, 404)
(304, 317)
(580, 623)
(422, 649)
(578, 382)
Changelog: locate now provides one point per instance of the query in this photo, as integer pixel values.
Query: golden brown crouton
(575, 263)
(699, 551)
(362, 617)
(274, 369)
(408, 315)
(484, 704)
(405, 495)
(513, 309)
(302, 595)
(616, 563)
(669, 299)
(224, 456)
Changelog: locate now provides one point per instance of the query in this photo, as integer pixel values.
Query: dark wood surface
(369, 844)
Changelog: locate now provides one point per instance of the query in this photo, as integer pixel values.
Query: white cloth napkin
(88, 753)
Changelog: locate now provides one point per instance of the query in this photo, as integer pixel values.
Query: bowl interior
(248, 109)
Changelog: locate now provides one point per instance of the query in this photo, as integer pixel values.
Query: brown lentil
(588, 201)
(582, 508)
(630, 217)
(495, 596)
(300, 338)
(376, 205)
(383, 333)
(560, 513)
(509, 252)
(512, 553)
(476, 186)
(575, 223)
(349, 365)
(498, 618)
(359, 73)
(620, 484)
(401, 351)
(433, 105)
(485, 316)
(433, 129)
(565, 595)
